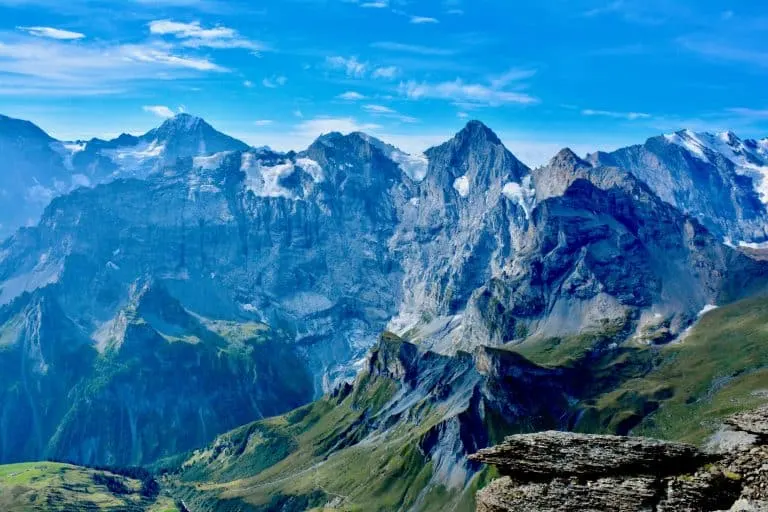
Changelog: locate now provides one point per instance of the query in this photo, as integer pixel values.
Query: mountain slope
(717, 178)
(52, 487)
(38, 168)
(398, 438)
(160, 380)
(272, 263)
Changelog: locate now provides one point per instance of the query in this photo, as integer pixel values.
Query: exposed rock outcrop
(553, 471)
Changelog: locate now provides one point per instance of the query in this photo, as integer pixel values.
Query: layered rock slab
(559, 471)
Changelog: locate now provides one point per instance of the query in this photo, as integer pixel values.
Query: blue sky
(590, 74)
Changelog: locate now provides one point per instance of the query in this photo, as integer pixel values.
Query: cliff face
(552, 471)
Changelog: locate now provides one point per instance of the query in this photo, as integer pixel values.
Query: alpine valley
(341, 328)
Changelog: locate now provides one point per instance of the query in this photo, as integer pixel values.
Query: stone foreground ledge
(562, 471)
(547, 454)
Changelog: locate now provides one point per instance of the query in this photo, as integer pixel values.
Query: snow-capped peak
(749, 158)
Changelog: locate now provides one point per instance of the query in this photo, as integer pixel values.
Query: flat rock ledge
(563, 471)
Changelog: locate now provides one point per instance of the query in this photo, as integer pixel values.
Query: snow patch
(135, 158)
(264, 181)
(689, 141)
(461, 185)
(415, 166)
(67, 151)
(706, 309)
(210, 163)
(312, 168)
(521, 193)
(753, 245)
(749, 158)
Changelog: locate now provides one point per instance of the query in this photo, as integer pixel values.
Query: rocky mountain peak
(21, 129)
(477, 131)
(566, 158)
(181, 125)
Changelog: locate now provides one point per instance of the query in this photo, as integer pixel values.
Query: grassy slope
(47, 486)
(679, 391)
(310, 457)
(306, 459)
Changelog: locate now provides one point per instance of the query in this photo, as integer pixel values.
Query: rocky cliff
(552, 471)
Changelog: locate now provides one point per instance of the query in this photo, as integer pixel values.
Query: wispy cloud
(421, 20)
(387, 72)
(513, 75)
(274, 82)
(384, 111)
(380, 4)
(724, 51)
(630, 116)
(62, 68)
(194, 35)
(351, 66)
(53, 33)
(159, 110)
(412, 48)
(351, 96)
(468, 94)
(749, 112)
(263, 122)
(611, 7)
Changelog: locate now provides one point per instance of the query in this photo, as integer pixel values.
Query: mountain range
(180, 284)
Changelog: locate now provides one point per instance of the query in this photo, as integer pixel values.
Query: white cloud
(379, 109)
(155, 55)
(749, 112)
(411, 48)
(384, 111)
(194, 35)
(159, 111)
(460, 92)
(351, 96)
(387, 72)
(274, 82)
(631, 116)
(421, 20)
(513, 75)
(380, 4)
(725, 51)
(263, 122)
(351, 65)
(462, 115)
(41, 66)
(248, 84)
(52, 33)
(455, 12)
(298, 113)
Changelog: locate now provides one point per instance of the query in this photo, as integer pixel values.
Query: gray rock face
(719, 179)
(601, 246)
(548, 454)
(553, 471)
(37, 168)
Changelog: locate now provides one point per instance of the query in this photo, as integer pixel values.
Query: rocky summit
(558, 471)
